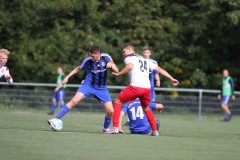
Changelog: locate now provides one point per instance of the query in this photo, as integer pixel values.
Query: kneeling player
(138, 123)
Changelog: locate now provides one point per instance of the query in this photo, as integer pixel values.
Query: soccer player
(59, 91)
(138, 123)
(153, 74)
(227, 92)
(94, 84)
(138, 69)
(4, 71)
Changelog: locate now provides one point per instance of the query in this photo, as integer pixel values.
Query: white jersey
(4, 71)
(139, 75)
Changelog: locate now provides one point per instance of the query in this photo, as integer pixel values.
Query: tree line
(194, 40)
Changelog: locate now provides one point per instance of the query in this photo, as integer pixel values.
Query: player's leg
(73, 102)
(128, 94)
(54, 104)
(145, 98)
(224, 105)
(103, 96)
(158, 106)
(61, 98)
(108, 117)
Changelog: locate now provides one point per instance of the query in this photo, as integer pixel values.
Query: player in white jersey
(138, 69)
(4, 71)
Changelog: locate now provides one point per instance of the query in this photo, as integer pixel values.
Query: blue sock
(225, 116)
(107, 122)
(54, 106)
(64, 110)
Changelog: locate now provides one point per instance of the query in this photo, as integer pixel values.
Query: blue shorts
(101, 94)
(147, 131)
(225, 99)
(59, 95)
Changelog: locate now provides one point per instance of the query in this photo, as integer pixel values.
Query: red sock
(116, 114)
(151, 119)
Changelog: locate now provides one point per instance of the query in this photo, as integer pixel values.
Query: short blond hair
(4, 52)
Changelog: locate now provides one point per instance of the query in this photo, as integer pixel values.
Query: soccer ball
(56, 124)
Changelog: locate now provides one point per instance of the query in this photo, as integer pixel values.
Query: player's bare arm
(125, 70)
(167, 75)
(74, 71)
(120, 122)
(157, 78)
(112, 66)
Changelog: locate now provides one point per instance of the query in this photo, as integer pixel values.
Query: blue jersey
(152, 80)
(96, 71)
(138, 122)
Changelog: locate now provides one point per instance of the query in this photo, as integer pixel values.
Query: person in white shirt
(138, 69)
(4, 71)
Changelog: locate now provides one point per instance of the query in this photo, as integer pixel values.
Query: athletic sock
(116, 114)
(54, 106)
(151, 119)
(107, 122)
(64, 110)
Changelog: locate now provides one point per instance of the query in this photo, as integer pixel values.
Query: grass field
(25, 135)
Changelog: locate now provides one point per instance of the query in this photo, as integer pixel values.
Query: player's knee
(73, 102)
(110, 113)
(145, 108)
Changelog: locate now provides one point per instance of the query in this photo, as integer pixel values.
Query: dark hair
(127, 45)
(145, 48)
(94, 49)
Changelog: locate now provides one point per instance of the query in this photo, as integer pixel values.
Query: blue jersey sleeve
(155, 72)
(232, 85)
(107, 57)
(125, 107)
(85, 63)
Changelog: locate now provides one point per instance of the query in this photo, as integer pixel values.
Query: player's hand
(121, 131)
(158, 83)
(65, 80)
(56, 89)
(8, 78)
(115, 74)
(219, 97)
(233, 97)
(109, 64)
(174, 82)
(159, 107)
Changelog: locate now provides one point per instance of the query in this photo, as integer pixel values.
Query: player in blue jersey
(138, 123)
(59, 91)
(94, 84)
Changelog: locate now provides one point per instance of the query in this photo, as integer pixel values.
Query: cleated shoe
(112, 131)
(105, 130)
(155, 133)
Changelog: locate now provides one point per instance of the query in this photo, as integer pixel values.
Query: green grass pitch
(25, 135)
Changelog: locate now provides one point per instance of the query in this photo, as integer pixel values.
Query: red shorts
(130, 93)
